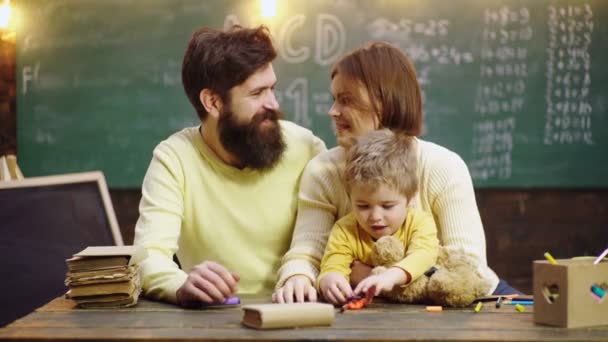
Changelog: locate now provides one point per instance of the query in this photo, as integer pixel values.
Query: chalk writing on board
(29, 74)
(427, 42)
(330, 40)
(382, 28)
(297, 95)
(297, 92)
(407, 34)
(500, 93)
(231, 20)
(568, 115)
(286, 49)
(322, 102)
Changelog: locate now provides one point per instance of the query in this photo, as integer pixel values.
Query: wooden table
(59, 320)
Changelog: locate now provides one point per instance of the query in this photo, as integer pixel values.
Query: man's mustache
(269, 114)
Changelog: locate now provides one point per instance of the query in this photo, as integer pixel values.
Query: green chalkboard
(517, 88)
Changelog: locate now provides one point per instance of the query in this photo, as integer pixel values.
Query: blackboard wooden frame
(74, 178)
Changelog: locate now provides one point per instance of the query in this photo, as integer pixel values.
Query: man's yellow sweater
(199, 208)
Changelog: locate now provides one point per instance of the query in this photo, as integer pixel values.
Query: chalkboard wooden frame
(74, 178)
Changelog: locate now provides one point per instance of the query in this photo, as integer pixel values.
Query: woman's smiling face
(352, 113)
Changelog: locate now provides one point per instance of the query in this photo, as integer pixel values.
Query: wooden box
(563, 294)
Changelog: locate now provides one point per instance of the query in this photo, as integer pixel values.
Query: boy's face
(379, 210)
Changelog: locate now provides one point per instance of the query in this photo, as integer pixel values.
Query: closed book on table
(272, 316)
(125, 287)
(101, 257)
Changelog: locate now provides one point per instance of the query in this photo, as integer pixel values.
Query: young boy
(381, 177)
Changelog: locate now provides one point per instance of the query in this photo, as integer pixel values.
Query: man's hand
(334, 288)
(384, 281)
(208, 282)
(359, 271)
(298, 287)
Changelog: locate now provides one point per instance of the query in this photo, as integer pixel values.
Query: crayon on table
(228, 301)
(519, 302)
(597, 299)
(232, 301)
(499, 302)
(550, 257)
(598, 291)
(478, 307)
(600, 257)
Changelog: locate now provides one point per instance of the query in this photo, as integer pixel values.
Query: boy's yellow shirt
(347, 243)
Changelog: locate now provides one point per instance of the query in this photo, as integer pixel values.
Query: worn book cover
(109, 275)
(100, 257)
(99, 289)
(272, 316)
(118, 303)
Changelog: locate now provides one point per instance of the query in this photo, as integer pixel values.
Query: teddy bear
(453, 281)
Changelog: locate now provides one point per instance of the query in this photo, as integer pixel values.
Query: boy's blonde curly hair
(383, 157)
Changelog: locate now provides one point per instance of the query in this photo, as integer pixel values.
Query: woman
(375, 87)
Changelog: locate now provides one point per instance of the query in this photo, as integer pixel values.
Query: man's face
(248, 124)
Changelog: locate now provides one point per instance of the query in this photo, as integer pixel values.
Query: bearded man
(223, 196)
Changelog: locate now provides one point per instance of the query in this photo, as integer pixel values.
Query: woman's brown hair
(389, 77)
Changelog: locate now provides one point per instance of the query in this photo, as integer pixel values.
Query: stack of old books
(105, 276)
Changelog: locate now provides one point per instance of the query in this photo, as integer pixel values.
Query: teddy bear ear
(387, 250)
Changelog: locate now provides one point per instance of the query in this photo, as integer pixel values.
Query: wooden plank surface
(59, 320)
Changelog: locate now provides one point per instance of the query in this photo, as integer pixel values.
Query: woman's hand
(298, 287)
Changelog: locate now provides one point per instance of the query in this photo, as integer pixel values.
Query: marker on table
(232, 301)
(600, 257)
(498, 302)
(519, 302)
(478, 307)
(434, 308)
(228, 301)
(598, 291)
(550, 257)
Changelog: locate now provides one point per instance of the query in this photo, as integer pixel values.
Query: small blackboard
(43, 221)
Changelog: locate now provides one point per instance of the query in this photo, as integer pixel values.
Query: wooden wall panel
(520, 225)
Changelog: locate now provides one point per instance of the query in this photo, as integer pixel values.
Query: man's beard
(253, 146)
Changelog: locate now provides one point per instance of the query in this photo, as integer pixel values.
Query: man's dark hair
(221, 59)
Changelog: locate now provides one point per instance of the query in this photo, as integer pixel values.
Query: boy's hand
(335, 288)
(384, 281)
